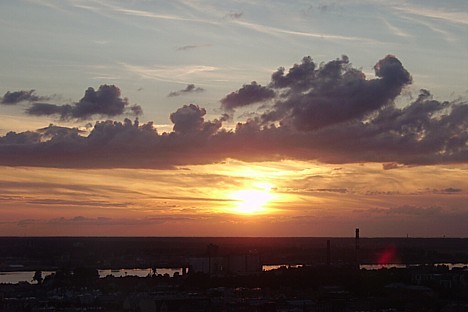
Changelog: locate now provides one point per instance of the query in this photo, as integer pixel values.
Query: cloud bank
(325, 112)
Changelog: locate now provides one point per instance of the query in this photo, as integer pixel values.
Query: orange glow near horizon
(287, 198)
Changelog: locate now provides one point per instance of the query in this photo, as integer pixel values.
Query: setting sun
(254, 200)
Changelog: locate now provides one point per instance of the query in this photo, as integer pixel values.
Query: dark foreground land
(325, 281)
(49, 253)
(314, 288)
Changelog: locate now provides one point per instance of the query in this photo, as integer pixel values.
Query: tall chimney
(357, 248)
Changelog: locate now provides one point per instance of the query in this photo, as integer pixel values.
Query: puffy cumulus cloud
(298, 77)
(106, 101)
(189, 120)
(15, 97)
(22, 138)
(54, 147)
(64, 133)
(248, 94)
(339, 117)
(311, 96)
(189, 89)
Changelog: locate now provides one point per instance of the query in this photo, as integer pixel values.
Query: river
(27, 276)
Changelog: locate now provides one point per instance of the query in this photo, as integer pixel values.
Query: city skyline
(241, 118)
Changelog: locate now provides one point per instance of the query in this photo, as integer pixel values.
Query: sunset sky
(233, 118)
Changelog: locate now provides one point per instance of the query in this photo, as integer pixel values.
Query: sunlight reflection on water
(27, 276)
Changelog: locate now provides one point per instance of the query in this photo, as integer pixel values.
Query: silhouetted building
(243, 264)
(207, 264)
(222, 265)
(357, 260)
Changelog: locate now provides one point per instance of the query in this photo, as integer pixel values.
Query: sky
(233, 118)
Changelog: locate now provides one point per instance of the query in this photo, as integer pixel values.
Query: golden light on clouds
(233, 198)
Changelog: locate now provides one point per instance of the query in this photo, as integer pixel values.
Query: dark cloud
(298, 77)
(41, 109)
(311, 96)
(65, 133)
(248, 94)
(322, 8)
(189, 89)
(106, 101)
(22, 138)
(328, 113)
(234, 15)
(315, 190)
(452, 190)
(136, 110)
(189, 120)
(448, 191)
(332, 190)
(15, 97)
(193, 46)
(391, 165)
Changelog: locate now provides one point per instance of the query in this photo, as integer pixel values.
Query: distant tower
(212, 252)
(357, 248)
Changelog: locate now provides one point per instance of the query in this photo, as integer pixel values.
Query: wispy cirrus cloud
(81, 220)
(440, 13)
(406, 210)
(149, 14)
(180, 74)
(108, 7)
(394, 29)
(430, 24)
(275, 31)
(81, 203)
(51, 4)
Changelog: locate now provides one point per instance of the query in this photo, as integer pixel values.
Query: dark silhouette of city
(236, 274)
